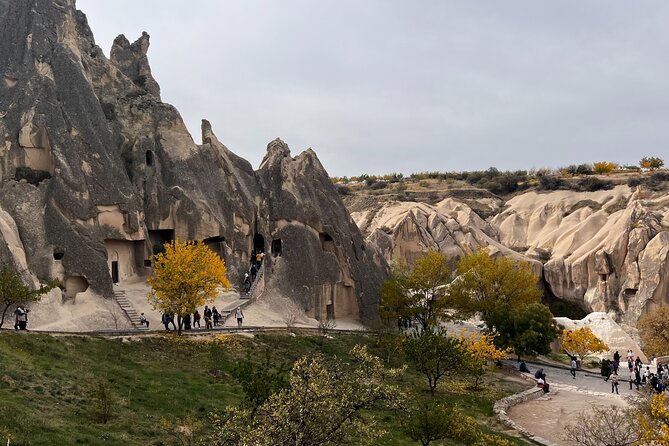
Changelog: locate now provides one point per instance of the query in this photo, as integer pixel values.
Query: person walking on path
(215, 315)
(143, 321)
(166, 321)
(207, 318)
(614, 382)
(572, 369)
(239, 315)
(21, 318)
(171, 317)
(196, 319)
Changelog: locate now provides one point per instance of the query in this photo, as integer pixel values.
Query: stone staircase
(128, 309)
(257, 288)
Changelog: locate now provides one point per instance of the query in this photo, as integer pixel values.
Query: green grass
(47, 385)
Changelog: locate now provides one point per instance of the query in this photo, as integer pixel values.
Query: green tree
(185, 276)
(435, 354)
(325, 403)
(13, 291)
(528, 330)
(259, 381)
(419, 292)
(492, 287)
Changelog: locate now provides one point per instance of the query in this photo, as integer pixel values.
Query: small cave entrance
(216, 244)
(258, 243)
(58, 254)
(327, 243)
(276, 247)
(149, 157)
(158, 237)
(75, 285)
(602, 277)
(330, 312)
(114, 272)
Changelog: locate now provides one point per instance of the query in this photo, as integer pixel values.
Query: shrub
(651, 162)
(592, 184)
(378, 185)
(584, 169)
(550, 182)
(602, 167)
(635, 181)
(343, 190)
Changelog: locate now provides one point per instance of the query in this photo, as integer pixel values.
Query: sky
(380, 86)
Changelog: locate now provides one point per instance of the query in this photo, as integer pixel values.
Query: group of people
(257, 258)
(212, 318)
(638, 376)
(540, 376)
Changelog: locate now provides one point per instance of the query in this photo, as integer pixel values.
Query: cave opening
(276, 247)
(258, 243)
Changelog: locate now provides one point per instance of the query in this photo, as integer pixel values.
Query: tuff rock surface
(607, 251)
(97, 172)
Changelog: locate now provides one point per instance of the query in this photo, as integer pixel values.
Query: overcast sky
(379, 86)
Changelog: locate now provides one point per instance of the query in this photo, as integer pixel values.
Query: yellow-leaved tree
(582, 342)
(654, 420)
(482, 353)
(185, 276)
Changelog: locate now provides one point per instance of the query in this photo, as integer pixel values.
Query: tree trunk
(4, 312)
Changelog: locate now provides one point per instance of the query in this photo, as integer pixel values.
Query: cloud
(381, 86)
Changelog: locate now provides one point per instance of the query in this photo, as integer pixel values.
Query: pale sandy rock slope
(606, 251)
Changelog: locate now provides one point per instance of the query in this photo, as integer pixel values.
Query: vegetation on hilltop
(581, 178)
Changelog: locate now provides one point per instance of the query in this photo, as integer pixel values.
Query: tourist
(253, 273)
(630, 355)
(247, 285)
(171, 316)
(207, 317)
(166, 321)
(196, 319)
(614, 382)
(143, 321)
(630, 365)
(21, 314)
(216, 315)
(572, 369)
(258, 260)
(637, 376)
(541, 383)
(523, 367)
(186, 322)
(239, 315)
(616, 356)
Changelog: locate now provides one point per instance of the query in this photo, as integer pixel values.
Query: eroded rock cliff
(97, 173)
(606, 250)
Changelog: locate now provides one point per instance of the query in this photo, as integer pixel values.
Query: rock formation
(606, 251)
(97, 173)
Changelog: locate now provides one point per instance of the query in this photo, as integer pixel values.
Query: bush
(550, 182)
(584, 169)
(651, 162)
(602, 167)
(378, 185)
(592, 184)
(343, 190)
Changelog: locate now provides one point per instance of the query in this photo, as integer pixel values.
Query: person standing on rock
(239, 315)
(614, 382)
(572, 369)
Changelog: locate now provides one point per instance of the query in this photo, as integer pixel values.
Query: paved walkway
(584, 380)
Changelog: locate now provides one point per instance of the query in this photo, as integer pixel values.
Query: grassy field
(50, 386)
